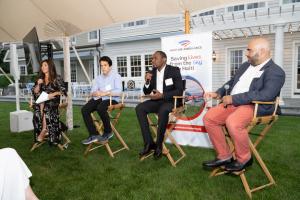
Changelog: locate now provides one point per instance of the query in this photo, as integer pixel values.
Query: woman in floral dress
(46, 114)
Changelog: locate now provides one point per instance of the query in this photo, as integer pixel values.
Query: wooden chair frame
(267, 121)
(114, 120)
(62, 107)
(173, 116)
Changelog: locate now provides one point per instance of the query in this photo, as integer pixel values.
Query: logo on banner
(184, 43)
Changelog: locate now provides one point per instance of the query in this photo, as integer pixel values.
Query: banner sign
(192, 53)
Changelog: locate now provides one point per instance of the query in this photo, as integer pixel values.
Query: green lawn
(69, 175)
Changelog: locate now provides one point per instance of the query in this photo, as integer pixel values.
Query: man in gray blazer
(259, 79)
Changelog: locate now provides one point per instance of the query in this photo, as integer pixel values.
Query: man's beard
(254, 61)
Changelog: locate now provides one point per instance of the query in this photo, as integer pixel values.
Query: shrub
(4, 82)
(31, 78)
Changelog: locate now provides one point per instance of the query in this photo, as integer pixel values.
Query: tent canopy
(57, 18)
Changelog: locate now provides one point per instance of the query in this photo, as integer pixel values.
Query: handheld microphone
(226, 87)
(147, 81)
(150, 72)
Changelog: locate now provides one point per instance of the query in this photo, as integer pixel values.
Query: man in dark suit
(161, 85)
(259, 79)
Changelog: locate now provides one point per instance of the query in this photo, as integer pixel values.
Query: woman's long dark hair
(51, 68)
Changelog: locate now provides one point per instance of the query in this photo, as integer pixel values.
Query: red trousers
(236, 120)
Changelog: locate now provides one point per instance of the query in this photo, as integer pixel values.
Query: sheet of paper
(42, 98)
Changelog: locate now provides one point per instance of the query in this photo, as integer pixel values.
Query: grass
(70, 175)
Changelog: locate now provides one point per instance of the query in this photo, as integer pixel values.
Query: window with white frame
(135, 66)
(298, 68)
(290, 1)
(122, 66)
(140, 22)
(93, 36)
(211, 12)
(148, 62)
(256, 5)
(128, 24)
(235, 60)
(249, 6)
(23, 70)
(73, 71)
(91, 69)
(137, 23)
(236, 8)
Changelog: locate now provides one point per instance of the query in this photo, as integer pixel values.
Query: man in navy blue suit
(259, 79)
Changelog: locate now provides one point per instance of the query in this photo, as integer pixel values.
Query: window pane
(256, 5)
(135, 63)
(23, 70)
(235, 8)
(148, 62)
(93, 35)
(140, 22)
(290, 1)
(211, 12)
(73, 72)
(298, 69)
(122, 66)
(236, 59)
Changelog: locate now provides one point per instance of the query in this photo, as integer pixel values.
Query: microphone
(226, 87)
(150, 72)
(147, 81)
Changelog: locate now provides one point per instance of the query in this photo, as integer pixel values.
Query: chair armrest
(30, 102)
(175, 101)
(178, 97)
(122, 95)
(264, 102)
(257, 103)
(88, 98)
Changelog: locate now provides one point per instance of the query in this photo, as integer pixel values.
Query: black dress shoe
(236, 166)
(216, 162)
(148, 148)
(157, 153)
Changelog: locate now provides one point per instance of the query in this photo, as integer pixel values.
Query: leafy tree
(4, 65)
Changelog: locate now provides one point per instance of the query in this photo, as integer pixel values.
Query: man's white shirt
(159, 80)
(243, 85)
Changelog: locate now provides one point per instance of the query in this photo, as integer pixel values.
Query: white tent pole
(67, 78)
(15, 71)
(82, 66)
(95, 67)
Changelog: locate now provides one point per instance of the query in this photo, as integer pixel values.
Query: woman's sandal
(42, 135)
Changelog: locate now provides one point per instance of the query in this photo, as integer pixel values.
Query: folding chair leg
(263, 133)
(177, 145)
(61, 147)
(264, 169)
(66, 142)
(91, 148)
(262, 164)
(245, 184)
(166, 151)
(119, 136)
(109, 150)
(106, 144)
(36, 145)
(87, 150)
(172, 139)
(249, 191)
